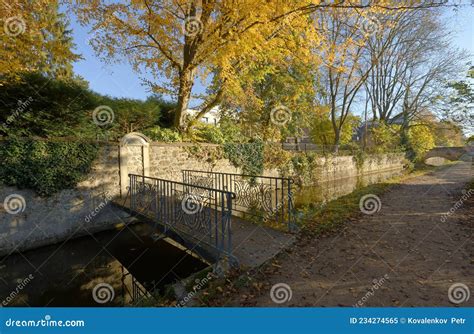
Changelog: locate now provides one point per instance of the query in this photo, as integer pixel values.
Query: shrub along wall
(44, 166)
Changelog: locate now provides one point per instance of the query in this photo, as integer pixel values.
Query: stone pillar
(134, 158)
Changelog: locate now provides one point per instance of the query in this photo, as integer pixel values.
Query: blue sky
(119, 80)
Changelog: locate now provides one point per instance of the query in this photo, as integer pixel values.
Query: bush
(40, 106)
(383, 138)
(164, 135)
(208, 134)
(46, 167)
(421, 140)
(231, 130)
(275, 157)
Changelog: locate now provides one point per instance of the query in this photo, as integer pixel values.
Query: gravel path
(406, 254)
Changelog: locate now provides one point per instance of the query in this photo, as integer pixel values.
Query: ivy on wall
(204, 153)
(247, 156)
(43, 166)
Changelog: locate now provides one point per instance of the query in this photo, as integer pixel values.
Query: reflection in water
(66, 274)
(323, 192)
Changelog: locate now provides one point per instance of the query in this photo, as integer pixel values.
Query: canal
(66, 274)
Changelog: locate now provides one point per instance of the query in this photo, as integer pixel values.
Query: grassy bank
(337, 212)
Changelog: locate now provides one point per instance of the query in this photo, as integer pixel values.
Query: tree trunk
(337, 140)
(184, 96)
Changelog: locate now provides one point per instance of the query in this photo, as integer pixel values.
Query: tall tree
(410, 73)
(458, 104)
(179, 41)
(345, 70)
(35, 38)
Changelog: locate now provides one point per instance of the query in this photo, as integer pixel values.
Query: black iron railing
(133, 292)
(200, 215)
(266, 199)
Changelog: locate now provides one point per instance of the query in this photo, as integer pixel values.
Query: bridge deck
(252, 244)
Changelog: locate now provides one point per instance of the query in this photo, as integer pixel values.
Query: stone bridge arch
(450, 153)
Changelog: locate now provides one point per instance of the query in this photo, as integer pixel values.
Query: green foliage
(301, 167)
(231, 130)
(359, 157)
(46, 167)
(383, 138)
(45, 46)
(227, 131)
(163, 135)
(45, 107)
(447, 133)
(322, 132)
(130, 115)
(248, 156)
(208, 133)
(205, 153)
(421, 140)
(459, 102)
(166, 110)
(275, 157)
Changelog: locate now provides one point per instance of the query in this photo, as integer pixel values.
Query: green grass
(337, 212)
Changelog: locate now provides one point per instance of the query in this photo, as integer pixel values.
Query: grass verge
(337, 212)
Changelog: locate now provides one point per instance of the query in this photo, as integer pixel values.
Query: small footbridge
(451, 153)
(241, 219)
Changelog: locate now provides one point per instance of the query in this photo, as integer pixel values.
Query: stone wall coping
(181, 144)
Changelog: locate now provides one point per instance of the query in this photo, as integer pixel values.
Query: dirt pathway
(407, 254)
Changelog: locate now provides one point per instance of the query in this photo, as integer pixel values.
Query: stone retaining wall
(86, 209)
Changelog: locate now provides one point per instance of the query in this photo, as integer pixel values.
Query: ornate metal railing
(261, 198)
(200, 215)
